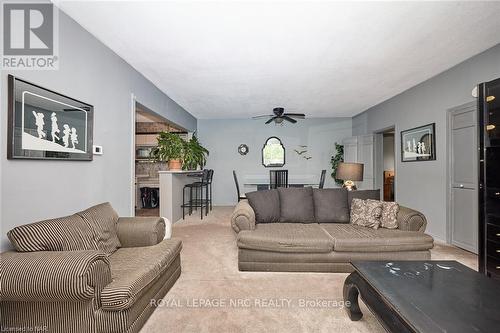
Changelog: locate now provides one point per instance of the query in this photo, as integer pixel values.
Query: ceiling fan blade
(270, 120)
(263, 116)
(293, 121)
(295, 115)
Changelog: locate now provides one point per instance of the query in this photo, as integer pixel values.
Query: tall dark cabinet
(489, 178)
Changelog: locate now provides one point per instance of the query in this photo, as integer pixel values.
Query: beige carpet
(213, 296)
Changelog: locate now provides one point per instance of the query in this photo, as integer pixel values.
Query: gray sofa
(89, 272)
(321, 239)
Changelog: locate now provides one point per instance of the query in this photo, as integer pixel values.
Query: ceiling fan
(279, 115)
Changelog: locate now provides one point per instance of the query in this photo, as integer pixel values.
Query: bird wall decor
(302, 152)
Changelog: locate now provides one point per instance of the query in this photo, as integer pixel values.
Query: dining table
(262, 182)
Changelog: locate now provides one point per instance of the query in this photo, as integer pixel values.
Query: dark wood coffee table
(424, 296)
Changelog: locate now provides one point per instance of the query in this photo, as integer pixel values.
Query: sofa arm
(243, 217)
(411, 220)
(53, 275)
(140, 231)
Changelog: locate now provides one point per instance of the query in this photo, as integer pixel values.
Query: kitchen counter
(180, 171)
(171, 185)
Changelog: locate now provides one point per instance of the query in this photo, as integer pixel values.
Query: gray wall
(222, 138)
(422, 185)
(91, 72)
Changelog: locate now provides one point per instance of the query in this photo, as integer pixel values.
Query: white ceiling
(240, 59)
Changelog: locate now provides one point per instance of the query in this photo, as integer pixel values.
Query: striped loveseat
(89, 272)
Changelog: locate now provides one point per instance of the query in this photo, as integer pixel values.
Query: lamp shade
(349, 171)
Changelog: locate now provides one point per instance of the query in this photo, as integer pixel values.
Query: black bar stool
(208, 189)
(200, 186)
(209, 194)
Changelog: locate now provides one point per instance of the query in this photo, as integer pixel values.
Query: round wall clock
(243, 149)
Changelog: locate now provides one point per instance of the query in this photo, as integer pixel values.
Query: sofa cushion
(296, 205)
(362, 194)
(266, 205)
(68, 233)
(286, 237)
(389, 218)
(366, 213)
(355, 238)
(134, 270)
(330, 205)
(102, 220)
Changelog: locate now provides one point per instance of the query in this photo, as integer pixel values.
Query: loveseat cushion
(286, 237)
(68, 233)
(266, 205)
(296, 205)
(330, 205)
(354, 238)
(363, 195)
(102, 220)
(134, 270)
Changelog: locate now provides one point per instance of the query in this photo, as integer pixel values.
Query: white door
(365, 156)
(350, 149)
(463, 173)
(359, 149)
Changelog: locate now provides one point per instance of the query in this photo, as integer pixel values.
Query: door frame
(449, 113)
(136, 104)
(378, 167)
(133, 108)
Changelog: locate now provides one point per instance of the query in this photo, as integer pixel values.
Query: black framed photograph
(419, 144)
(44, 124)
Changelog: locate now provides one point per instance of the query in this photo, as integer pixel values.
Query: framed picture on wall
(419, 144)
(43, 124)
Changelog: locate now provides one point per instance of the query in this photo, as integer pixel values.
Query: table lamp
(349, 172)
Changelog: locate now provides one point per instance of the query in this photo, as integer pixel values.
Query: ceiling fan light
(279, 116)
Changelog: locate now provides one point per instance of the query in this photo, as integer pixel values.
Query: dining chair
(322, 179)
(278, 178)
(240, 197)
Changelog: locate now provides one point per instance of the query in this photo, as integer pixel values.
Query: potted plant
(194, 154)
(170, 149)
(335, 160)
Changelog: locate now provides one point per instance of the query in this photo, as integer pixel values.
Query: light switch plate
(97, 150)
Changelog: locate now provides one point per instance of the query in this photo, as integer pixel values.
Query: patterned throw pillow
(366, 213)
(389, 217)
